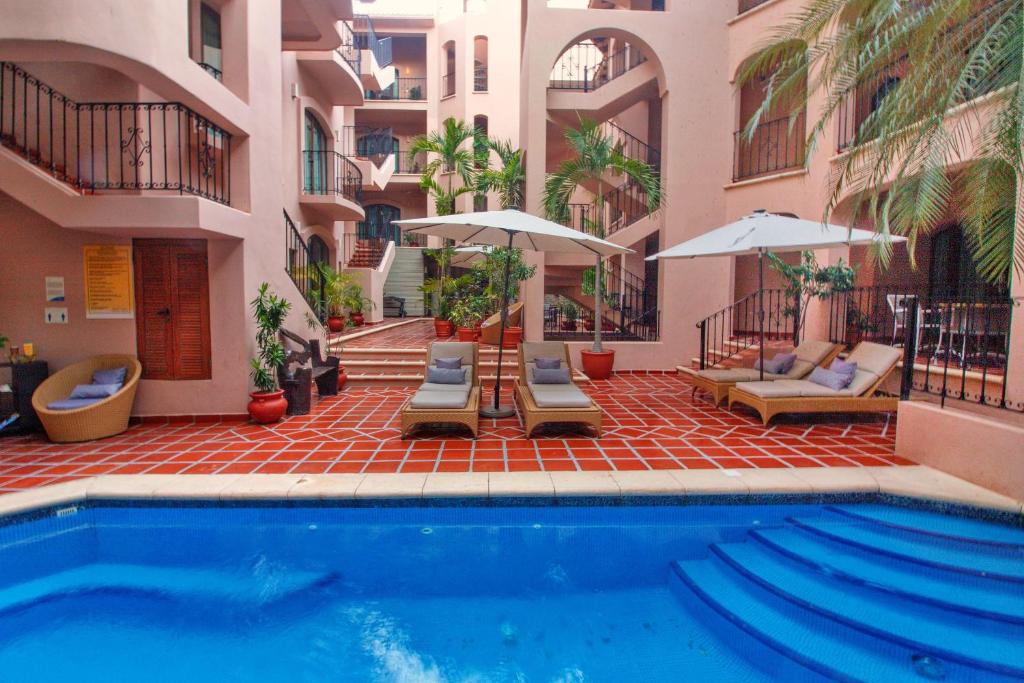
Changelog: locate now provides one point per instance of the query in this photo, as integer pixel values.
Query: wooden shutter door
(172, 309)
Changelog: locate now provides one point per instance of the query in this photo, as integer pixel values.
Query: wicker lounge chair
(447, 403)
(546, 403)
(875, 362)
(97, 420)
(717, 381)
(490, 329)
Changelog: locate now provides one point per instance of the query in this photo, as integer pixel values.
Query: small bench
(298, 383)
(394, 307)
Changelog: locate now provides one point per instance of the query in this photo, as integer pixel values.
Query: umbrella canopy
(527, 232)
(762, 232)
(467, 256)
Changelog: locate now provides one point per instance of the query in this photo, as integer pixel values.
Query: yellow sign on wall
(108, 281)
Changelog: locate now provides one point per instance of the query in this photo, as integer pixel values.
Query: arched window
(886, 87)
(379, 223)
(315, 156)
(448, 76)
(480, 64)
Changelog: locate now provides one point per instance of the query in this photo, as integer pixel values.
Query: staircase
(405, 278)
(366, 254)
(868, 593)
(733, 333)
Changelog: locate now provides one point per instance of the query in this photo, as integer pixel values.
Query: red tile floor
(651, 422)
(413, 335)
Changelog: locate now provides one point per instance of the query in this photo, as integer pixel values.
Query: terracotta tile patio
(412, 335)
(651, 423)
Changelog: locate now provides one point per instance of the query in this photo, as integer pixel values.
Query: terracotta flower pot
(335, 323)
(267, 407)
(342, 378)
(357, 319)
(443, 328)
(598, 365)
(467, 334)
(513, 335)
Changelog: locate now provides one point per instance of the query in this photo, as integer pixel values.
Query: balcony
(408, 89)
(776, 146)
(113, 147)
(332, 186)
(337, 72)
(587, 67)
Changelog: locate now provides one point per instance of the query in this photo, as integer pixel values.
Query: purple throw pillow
(843, 368)
(446, 375)
(449, 363)
(111, 376)
(544, 363)
(832, 380)
(779, 365)
(551, 376)
(94, 390)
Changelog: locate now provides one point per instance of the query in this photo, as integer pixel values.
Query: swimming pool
(259, 592)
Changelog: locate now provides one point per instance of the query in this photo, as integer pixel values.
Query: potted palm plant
(595, 156)
(354, 301)
(269, 311)
(334, 287)
(570, 315)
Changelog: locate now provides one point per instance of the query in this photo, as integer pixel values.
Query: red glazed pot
(513, 335)
(443, 328)
(342, 378)
(598, 365)
(357, 319)
(467, 334)
(267, 407)
(336, 323)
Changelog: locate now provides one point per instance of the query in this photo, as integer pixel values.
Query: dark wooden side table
(25, 378)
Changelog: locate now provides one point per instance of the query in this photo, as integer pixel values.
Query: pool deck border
(910, 483)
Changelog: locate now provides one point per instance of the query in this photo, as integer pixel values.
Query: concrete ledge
(913, 482)
(979, 449)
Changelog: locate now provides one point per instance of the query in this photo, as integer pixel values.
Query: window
(210, 49)
(480, 64)
(315, 162)
(448, 78)
(379, 223)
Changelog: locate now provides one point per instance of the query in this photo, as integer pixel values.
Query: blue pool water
(568, 594)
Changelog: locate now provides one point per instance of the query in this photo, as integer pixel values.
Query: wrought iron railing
(586, 67)
(448, 84)
(480, 79)
(747, 5)
(411, 88)
(302, 269)
(113, 146)
(631, 146)
(853, 117)
(212, 70)
(368, 142)
(366, 39)
(736, 328)
(626, 204)
(363, 251)
(955, 347)
(775, 146)
(569, 320)
(349, 49)
(409, 163)
(327, 172)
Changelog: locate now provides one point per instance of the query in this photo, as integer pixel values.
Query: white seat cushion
(736, 375)
(431, 386)
(559, 396)
(813, 351)
(875, 358)
(782, 388)
(427, 398)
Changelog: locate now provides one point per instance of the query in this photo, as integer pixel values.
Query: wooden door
(172, 308)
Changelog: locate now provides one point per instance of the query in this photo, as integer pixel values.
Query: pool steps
(866, 593)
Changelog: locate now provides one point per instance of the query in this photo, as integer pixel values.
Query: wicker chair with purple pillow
(96, 418)
(446, 403)
(542, 403)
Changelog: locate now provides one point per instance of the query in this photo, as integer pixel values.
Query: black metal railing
(412, 88)
(113, 146)
(366, 39)
(327, 172)
(349, 49)
(775, 146)
(853, 118)
(747, 5)
(955, 347)
(736, 328)
(368, 142)
(448, 84)
(302, 269)
(586, 67)
(409, 163)
(626, 204)
(631, 146)
(363, 251)
(479, 79)
(212, 70)
(568, 320)
(586, 218)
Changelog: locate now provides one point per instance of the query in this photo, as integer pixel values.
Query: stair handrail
(718, 330)
(302, 269)
(650, 156)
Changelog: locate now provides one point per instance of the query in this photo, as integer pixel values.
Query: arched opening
(315, 155)
(952, 274)
(480, 64)
(777, 144)
(379, 223)
(448, 77)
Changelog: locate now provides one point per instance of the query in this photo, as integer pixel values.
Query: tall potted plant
(595, 156)
(334, 287)
(440, 290)
(355, 302)
(268, 311)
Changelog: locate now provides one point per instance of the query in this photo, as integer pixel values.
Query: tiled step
(958, 529)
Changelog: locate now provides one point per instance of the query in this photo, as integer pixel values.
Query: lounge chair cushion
(436, 375)
(875, 358)
(463, 350)
(429, 398)
(430, 386)
(836, 381)
(109, 376)
(782, 388)
(94, 390)
(813, 351)
(72, 403)
(736, 375)
(551, 376)
(545, 363)
(862, 381)
(449, 363)
(559, 396)
(779, 365)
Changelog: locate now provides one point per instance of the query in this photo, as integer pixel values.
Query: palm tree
(925, 59)
(595, 156)
(451, 157)
(509, 181)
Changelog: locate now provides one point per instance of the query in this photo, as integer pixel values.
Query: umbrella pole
(497, 410)
(760, 314)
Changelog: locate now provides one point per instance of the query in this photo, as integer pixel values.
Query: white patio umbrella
(510, 228)
(467, 256)
(762, 232)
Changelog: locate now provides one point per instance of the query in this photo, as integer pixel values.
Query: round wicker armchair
(101, 419)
